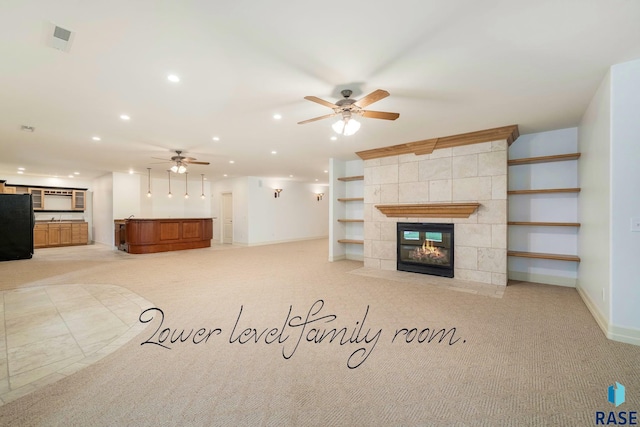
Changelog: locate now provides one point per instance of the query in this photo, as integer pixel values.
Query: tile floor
(49, 332)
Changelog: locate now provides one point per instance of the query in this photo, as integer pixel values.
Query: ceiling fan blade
(374, 96)
(317, 118)
(321, 101)
(196, 163)
(380, 115)
(161, 158)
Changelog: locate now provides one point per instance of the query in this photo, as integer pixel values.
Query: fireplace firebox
(425, 248)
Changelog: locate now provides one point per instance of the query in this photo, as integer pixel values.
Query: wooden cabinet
(40, 235)
(37, 195)
(79, 233)
(51, 234)
(54, 235)
(78, 200)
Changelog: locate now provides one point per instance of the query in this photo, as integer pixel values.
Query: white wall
(126, 195)
(544, 207)
(625, 197)
(594, 281)
(295, 215)
(103, 210)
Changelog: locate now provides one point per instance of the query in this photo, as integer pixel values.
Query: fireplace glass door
(425, 248)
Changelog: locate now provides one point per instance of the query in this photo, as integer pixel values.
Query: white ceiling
(450, 66)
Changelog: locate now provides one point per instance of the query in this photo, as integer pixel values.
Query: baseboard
(542, 278)
(613, 332)
(355, 257)
(337, 258)
(276, 242)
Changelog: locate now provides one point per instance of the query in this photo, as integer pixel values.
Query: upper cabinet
(37, 195)
(78, 200)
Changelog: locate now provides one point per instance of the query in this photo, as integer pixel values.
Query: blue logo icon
(616, 394)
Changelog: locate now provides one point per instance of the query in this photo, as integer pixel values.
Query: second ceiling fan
(346, 108)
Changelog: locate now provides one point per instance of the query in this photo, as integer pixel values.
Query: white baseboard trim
(355, 257)
(337, 258)
(542, 278)
(276, 242)
(613, 332)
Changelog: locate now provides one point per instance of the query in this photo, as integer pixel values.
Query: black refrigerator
(16, 226)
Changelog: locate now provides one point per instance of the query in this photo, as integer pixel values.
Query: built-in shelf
(351, 178)
(545, 191)
(537, 255)
(351, 199)
(545, 224)
(544, 159)
(350, 220)
(353, 241)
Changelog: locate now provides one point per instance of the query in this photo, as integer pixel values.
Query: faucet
(130, 216)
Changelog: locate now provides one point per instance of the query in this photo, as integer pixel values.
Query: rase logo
(616, 396)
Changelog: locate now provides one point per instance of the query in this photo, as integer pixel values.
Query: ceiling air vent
(59, 38)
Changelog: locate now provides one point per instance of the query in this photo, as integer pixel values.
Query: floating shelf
(544, 159)
(351, 178)
(537, 255)
(355, 242)
(350, 220)
(545, 191)
(546, 224)
(351, 199)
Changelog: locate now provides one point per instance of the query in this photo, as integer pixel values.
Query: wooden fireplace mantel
(432, 210)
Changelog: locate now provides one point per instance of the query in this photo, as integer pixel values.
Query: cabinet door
(38, 198)
(84, 233)
(65, 234)
(54, 234)
(78, 200)
(40, 233)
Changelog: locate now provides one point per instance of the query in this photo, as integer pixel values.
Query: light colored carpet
(533, 357)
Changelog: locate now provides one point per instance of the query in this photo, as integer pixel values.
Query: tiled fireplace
(471, 174)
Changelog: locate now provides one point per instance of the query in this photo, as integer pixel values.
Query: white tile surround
(468, 173)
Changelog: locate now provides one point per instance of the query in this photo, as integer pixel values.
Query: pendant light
(169, 173)
(186, 189)
(148, 182)
(202, 179)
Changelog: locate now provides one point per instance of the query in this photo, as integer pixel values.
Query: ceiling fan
(346, 108)
(181, 162)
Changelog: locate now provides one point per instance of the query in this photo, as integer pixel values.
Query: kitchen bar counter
(148, 235)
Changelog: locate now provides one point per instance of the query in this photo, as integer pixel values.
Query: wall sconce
(277, 192)
(319, 196)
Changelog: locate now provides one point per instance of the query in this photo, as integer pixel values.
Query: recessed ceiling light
(326, 171)
(231, 161)
(277, 116)
(334, 138)
(125, 117)
(96, 138)
(76, 173)
(216, 138)
(290, 176)
(274, 152)
(20, 172)
(130, 171)
(71, 176)
(173, 78)
(20, 169)
(316, 179)
(224, 174)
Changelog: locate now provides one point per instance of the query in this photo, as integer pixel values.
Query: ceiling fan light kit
(348, 107)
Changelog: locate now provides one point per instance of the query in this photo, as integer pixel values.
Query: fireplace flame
(428, 251)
